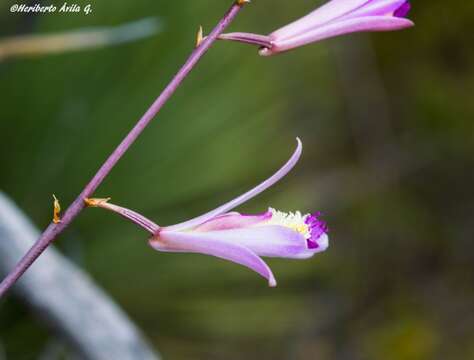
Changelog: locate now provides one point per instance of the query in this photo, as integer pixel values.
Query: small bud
(242, 2)
(199, 36)
(56, 210)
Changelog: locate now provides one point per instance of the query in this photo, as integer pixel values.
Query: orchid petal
(369, 23)
(242, 198)
(266, 240)
(233, 220)
(202, 244)
(322, 15)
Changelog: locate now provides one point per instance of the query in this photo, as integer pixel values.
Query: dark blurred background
(387, 125)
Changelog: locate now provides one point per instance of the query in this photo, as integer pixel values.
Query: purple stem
(75, 208)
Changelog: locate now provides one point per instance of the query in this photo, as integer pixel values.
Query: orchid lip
(311, 226)
(403, 10)
(317, 227)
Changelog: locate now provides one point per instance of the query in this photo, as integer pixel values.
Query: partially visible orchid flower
(238, 237)
(337, 17)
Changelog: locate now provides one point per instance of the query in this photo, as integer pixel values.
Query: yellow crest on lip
(294, 221)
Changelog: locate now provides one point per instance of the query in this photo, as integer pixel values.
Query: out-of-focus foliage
(76, 40)
(387, 124)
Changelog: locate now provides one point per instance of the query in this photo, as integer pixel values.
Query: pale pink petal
(242, 198)
(233, 220)
(266, 240)
(322, 15)
(369, 23)
(200, 243)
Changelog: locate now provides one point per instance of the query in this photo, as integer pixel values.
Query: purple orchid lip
(317, 227)
(403, 10)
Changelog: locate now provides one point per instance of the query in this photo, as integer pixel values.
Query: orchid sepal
(277, 176)
(196, 243)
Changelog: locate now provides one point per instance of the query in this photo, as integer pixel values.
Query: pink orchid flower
(236, 237)
(337, 17)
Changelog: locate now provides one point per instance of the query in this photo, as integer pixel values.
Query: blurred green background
(387, 125)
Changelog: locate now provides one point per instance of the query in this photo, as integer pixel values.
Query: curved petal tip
(300, 144)
(285, 169)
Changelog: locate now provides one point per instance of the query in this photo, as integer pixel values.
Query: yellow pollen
(294, 221)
